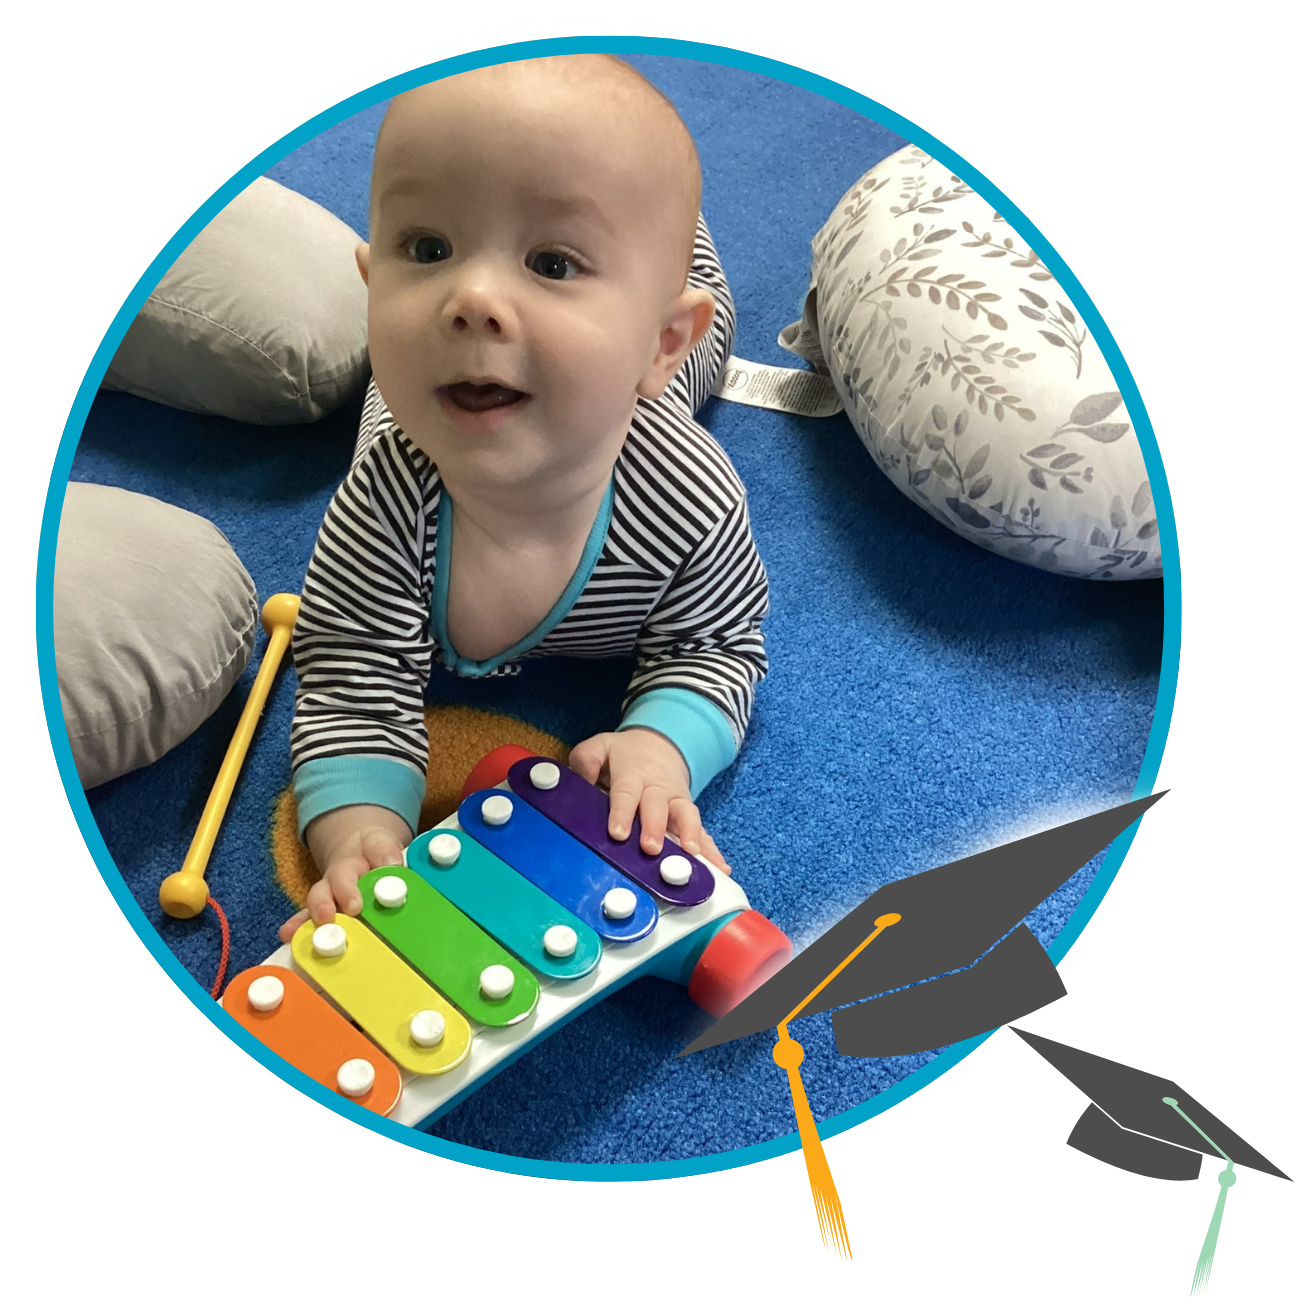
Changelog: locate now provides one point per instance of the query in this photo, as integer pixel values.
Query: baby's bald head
(595, 97)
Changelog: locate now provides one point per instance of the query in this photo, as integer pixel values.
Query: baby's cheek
(602, 367)
(401, 363)
(383, 352)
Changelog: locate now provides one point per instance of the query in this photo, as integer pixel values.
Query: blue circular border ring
(239, 182)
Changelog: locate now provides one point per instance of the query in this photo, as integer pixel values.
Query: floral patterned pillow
(971, 379)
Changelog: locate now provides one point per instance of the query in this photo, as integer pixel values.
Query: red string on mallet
(217, 987)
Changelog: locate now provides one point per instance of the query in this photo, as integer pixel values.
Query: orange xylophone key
(315, 1038)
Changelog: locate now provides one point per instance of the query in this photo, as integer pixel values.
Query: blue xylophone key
(559, 865)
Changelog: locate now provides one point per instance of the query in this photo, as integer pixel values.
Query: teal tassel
(1205, 1264)
(1225, 1179)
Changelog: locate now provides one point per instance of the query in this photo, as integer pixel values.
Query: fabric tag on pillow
(797, 391)
(801, 339)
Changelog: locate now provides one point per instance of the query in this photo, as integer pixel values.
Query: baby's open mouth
(480, 396)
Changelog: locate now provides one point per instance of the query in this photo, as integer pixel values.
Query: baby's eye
(429, 250)
(552, 264)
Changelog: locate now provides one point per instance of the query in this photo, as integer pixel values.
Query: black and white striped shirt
(677, 582)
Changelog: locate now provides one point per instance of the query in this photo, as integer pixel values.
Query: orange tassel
(788, 1053)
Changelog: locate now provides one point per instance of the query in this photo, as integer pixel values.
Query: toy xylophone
(512, 916)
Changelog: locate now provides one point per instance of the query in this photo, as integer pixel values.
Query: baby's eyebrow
(578, 205)
(550, 207)
(403, 186)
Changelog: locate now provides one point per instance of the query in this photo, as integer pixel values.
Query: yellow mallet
(184, 893)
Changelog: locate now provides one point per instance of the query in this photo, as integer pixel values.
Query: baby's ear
(683, 328)
(362, 261)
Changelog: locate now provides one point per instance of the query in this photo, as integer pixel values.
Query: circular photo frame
(374, 62)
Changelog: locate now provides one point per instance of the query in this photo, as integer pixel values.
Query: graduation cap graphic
(1145, 1124)
(953, 960)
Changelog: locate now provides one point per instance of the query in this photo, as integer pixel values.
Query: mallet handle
(284, 606)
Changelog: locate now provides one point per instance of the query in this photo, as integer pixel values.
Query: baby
(546, 312)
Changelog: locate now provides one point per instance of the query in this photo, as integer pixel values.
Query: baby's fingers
(589, 758)
(686, 826)
(381, 849)
(337, 890)
(292, 925)
(710, 853)
(655, 811)
(625, 795)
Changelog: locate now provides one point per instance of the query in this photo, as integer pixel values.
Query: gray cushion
(262, 318)
(155, 618)
(971, 379)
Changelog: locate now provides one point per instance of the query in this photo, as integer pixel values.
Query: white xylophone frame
(426, 1098)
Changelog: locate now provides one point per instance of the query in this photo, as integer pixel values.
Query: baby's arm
(707, 647)
(363, 650)
(700, 657)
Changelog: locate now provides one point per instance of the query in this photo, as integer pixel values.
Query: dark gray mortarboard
(952, 961)
(1128, 1125)
(950, 917)
(1149, 1125)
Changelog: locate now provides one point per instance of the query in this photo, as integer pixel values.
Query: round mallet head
(183, 895)
(280, 611)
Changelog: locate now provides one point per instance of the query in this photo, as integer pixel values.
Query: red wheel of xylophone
(492, 768)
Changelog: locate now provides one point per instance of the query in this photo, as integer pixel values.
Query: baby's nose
(476, 306)
(488, 322)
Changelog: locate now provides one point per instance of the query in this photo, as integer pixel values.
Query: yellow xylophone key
(384, 996)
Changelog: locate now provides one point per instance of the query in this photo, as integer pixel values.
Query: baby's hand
(346, 844)
(647, 776)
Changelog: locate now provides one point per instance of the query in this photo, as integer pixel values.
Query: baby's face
(521, 264)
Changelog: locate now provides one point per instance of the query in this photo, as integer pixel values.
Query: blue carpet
(925, 699)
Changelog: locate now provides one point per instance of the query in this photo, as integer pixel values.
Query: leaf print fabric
(971, 379)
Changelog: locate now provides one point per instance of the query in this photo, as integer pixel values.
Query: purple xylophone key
(582, 810)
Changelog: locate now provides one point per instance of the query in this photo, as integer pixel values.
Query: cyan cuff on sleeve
(694, 724)
(327, 783)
